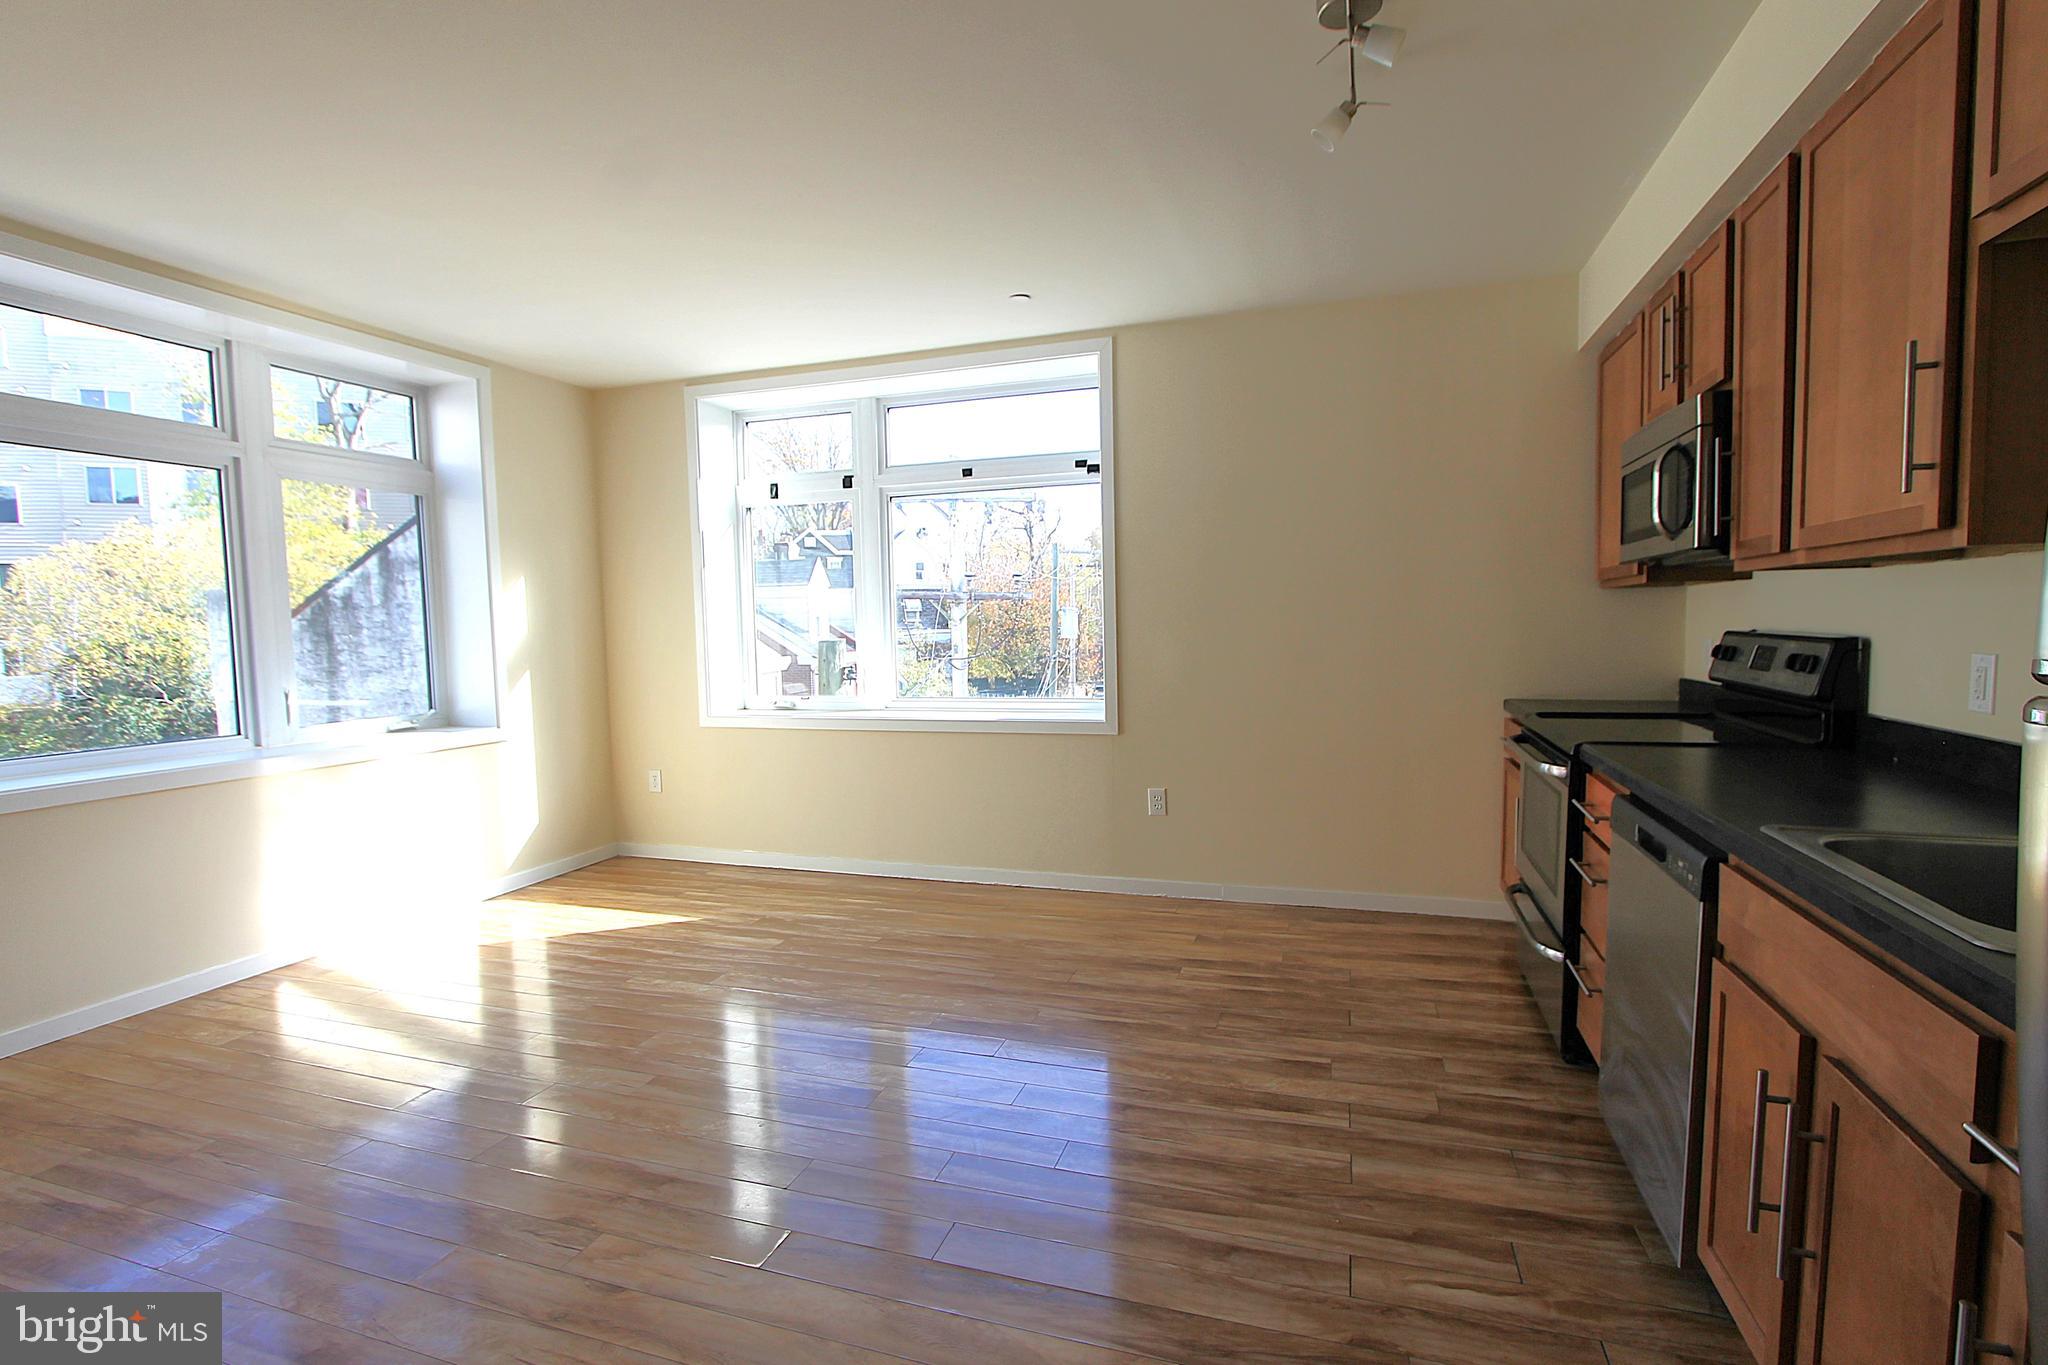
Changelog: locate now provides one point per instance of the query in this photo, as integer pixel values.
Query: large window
(909, 546)
(219, 545)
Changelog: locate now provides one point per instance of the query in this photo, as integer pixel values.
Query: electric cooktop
(1763, 688)
(1567, 732)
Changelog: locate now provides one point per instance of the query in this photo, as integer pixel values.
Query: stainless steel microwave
(1675, 477)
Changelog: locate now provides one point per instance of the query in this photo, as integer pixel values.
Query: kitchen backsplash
(1924, 622)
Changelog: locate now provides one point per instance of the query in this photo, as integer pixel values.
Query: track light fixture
(1380, 43)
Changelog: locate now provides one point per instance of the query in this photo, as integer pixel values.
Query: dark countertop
(1726, 795)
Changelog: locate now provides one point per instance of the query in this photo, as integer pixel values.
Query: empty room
(1060, 681)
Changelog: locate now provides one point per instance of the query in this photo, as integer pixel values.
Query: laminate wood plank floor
(664, 1111)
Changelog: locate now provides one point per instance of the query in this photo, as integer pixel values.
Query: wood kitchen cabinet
(2012, 100)
(1664, 349)
(1879, 324)
(2003, 1321)
(1759, 1081)
(1846, 1216)
(1765, 235)
(1705, 296)
(1621, 414)
(1893, 1229)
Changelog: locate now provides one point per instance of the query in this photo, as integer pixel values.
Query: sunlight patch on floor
(452, 947)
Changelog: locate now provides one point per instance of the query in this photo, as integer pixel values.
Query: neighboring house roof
(782, 573)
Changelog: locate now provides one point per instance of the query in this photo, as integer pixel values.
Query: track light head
(1335, 124)
(1380, 43)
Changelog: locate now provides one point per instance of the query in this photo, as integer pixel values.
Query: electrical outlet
(1983, 683)
(654, 780)
(1155, 801)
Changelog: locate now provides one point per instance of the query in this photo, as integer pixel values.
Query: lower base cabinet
(1759, 1084)
(1846, 1216)
(1894, 1229)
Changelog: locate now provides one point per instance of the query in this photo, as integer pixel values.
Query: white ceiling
(618, 190)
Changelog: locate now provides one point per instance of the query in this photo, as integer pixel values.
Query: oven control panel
(1814, 667)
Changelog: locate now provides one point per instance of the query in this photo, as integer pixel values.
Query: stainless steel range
(1765, 689)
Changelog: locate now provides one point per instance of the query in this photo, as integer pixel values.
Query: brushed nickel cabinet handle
(1585, 876)
(1593, 817)
(1969, 1345)
(1787, 1253)
(1908, 466)
(1754, 1205)
(2000, 1153)
(1578, 980)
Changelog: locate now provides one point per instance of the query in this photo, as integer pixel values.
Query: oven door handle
(1515, 896)
(1534, 757)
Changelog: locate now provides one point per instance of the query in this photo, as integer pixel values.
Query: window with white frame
(226, 541)
(909, 546)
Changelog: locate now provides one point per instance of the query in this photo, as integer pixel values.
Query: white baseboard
(1451, 906)
(516, 881)
(148, 998)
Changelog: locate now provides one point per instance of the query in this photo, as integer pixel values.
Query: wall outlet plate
(654, 780)
(1983, 683)
(1155, 800)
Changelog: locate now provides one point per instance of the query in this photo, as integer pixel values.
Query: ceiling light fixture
(1381, 43)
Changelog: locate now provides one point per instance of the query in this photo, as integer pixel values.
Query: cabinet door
(1879, 302)
(1766, 230)
(1759, 1082)
(2002, 1321)
(1703, 347)
(1510, 811)
(1664, 378)
(1894, 1232)
(2012, 100)
(1621, 415)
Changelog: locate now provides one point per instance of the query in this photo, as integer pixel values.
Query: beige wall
(1791, 60)
(1344, 533)
(1924, 622)
(107, 897)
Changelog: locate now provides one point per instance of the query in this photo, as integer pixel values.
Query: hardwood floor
(668, 1111)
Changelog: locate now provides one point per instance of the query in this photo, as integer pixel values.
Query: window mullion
(265, 606)
(871, 560)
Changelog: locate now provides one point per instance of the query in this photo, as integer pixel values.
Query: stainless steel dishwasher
(1660, 931)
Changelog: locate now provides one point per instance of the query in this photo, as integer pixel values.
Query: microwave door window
(1638, 506)
(1679, 491)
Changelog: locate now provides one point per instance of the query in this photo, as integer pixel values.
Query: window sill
(1090, 720)
(138, 776)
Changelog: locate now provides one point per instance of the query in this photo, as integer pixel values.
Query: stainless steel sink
(1967, 885)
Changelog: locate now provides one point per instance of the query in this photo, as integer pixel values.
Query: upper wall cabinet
(1883, 344)
(1766, 237)
(2012, 100)
(1622, 392)
(1880, 318)
(1706, 297)
(1663, 349)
